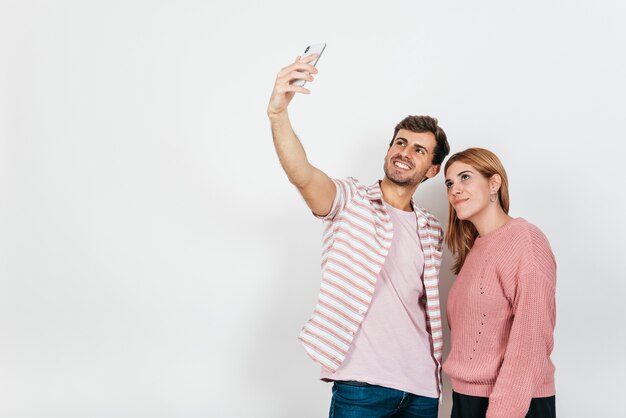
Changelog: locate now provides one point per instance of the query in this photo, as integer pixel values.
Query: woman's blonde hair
(461, 234)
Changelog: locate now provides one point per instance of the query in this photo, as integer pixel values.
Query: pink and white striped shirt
(357, 237)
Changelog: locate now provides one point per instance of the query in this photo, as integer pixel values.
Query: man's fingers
(298, 89)
(295, 62)
(292, 76)
(300, 69)
(298, 65)
(304, 68)
(308, 58)
(300, 75)
(299, 60)
(293, 88)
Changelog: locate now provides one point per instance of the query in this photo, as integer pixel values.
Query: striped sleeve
(346, 189)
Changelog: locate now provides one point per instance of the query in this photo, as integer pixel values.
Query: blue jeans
(361, 400)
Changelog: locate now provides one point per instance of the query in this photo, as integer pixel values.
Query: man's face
(409, 159)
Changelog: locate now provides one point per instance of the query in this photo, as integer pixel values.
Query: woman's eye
(448, 185)
(465, 177)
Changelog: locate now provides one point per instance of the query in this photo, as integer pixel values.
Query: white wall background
(154, 259)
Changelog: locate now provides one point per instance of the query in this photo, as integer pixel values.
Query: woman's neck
(489, 220)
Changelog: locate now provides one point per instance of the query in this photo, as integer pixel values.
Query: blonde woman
(501, 308)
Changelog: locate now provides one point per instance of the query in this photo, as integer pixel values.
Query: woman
(501, 308)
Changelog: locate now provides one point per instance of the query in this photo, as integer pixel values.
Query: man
(376, 329)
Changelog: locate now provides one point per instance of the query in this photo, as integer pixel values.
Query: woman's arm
(527, 361)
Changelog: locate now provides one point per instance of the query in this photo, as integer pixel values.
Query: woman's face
(468, 190)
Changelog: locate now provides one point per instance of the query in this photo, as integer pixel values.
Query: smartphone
(309, 50)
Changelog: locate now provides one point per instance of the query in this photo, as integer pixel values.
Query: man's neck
(397, 196)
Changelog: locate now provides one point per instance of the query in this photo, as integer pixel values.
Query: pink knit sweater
(501, 312)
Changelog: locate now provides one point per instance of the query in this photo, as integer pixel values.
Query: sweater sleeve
(527, 356)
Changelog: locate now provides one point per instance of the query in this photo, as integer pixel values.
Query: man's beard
(404, 182)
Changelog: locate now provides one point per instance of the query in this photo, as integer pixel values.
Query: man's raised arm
(317, 189)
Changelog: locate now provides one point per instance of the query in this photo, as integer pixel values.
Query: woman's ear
(495, 182)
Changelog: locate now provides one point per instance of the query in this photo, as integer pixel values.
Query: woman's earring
(493, 196)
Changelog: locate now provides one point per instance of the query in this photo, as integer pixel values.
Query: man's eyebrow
(417, 146)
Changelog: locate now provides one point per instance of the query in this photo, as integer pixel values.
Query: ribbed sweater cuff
(473, 389)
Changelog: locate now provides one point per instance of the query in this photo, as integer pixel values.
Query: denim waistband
(352, 383)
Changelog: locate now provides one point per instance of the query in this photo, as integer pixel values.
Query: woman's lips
(459, 201)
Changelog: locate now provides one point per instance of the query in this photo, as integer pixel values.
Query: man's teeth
(401, 165)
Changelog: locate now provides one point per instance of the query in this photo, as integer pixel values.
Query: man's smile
(402, 165)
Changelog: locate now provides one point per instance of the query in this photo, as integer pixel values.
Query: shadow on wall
(432, 196)
(277, 367)
(446, 278)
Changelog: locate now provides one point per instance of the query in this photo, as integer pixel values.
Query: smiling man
(376, 329)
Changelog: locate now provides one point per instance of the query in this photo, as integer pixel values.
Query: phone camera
(307, 49)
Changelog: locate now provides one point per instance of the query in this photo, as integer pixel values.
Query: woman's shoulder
(533, 247)
(531, 231)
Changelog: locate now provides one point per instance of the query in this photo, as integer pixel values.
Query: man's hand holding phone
(291, 79)
(317, 189)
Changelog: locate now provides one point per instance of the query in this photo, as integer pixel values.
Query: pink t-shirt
(393, 347)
